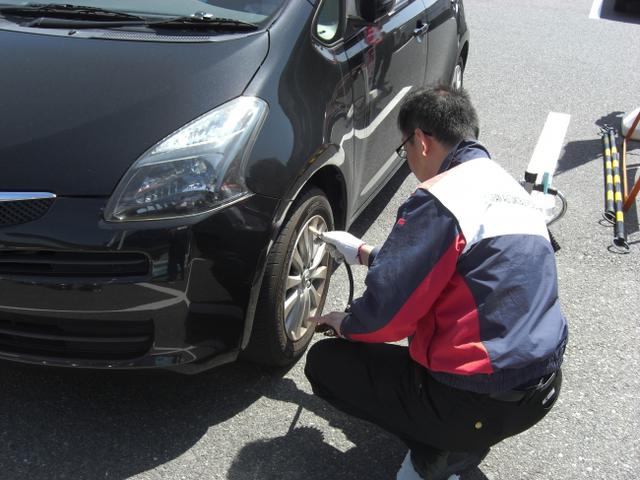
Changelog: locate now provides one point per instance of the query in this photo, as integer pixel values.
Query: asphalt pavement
(240, 422)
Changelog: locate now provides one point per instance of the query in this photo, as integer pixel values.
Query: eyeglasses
(401, 151)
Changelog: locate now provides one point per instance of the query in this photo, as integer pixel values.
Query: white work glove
(345, 244)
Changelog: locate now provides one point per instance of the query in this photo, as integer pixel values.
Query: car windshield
(257, 12)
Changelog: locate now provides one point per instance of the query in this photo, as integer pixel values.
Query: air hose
(350, 277)
(545, 189)
(326, 329)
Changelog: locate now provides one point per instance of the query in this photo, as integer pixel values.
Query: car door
(386, 61)
(442, 38)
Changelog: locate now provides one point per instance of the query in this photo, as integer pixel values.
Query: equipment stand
(629, 199)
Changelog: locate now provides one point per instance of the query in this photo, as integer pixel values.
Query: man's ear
(424, 142)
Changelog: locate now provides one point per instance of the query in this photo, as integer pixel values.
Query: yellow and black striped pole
(619, 236)
(609, 207)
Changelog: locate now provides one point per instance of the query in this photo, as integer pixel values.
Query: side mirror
(366, 12)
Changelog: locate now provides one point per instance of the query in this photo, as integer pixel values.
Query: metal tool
(326, 329)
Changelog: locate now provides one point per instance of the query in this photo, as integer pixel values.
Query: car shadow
(631, 16)
(68, 423)
(305, 452)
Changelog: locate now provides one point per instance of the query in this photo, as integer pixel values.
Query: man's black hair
(442, 112)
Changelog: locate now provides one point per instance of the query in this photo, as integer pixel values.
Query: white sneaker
(407, 472)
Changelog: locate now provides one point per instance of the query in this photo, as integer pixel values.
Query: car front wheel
(295, 284)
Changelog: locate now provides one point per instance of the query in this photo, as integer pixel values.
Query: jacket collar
(464, 151)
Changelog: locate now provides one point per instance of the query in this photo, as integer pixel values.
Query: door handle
(421, 29)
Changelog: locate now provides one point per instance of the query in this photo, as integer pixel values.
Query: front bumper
(77, 292)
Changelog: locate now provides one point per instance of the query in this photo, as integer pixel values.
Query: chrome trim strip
(18, 196)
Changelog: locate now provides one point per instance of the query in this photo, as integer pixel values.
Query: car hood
(76, 113)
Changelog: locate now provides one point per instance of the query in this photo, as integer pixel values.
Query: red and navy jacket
(469, 275)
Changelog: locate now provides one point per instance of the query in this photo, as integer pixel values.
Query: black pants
(380, 383)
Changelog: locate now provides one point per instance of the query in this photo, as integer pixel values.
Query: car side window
(328, 21)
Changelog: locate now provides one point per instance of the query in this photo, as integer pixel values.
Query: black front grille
(23, 211)
(73, 264)
(76, 339)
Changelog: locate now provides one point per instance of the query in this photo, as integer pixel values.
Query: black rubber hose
(327, 330)
(350, 277)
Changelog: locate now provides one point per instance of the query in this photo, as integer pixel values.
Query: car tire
(457, 78)
(280, 334)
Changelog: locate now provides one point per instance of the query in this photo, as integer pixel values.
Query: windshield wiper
(205, 20)
(68, 11)
(77, 16)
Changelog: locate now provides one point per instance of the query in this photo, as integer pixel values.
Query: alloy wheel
(306, 278)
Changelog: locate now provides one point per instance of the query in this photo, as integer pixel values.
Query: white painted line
(547, 152)
(596, 10)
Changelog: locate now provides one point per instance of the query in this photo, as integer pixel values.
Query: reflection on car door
(387, 60)
(442, 39)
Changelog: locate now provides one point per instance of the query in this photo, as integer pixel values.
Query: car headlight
(197, 169)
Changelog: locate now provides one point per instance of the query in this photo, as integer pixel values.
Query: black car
(162, 164)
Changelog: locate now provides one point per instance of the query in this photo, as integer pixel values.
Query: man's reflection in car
(378, 61)
(178, 245)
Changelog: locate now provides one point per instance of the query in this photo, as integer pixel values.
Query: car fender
(324, 161)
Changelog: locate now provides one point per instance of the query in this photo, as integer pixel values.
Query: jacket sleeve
(408, 274)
